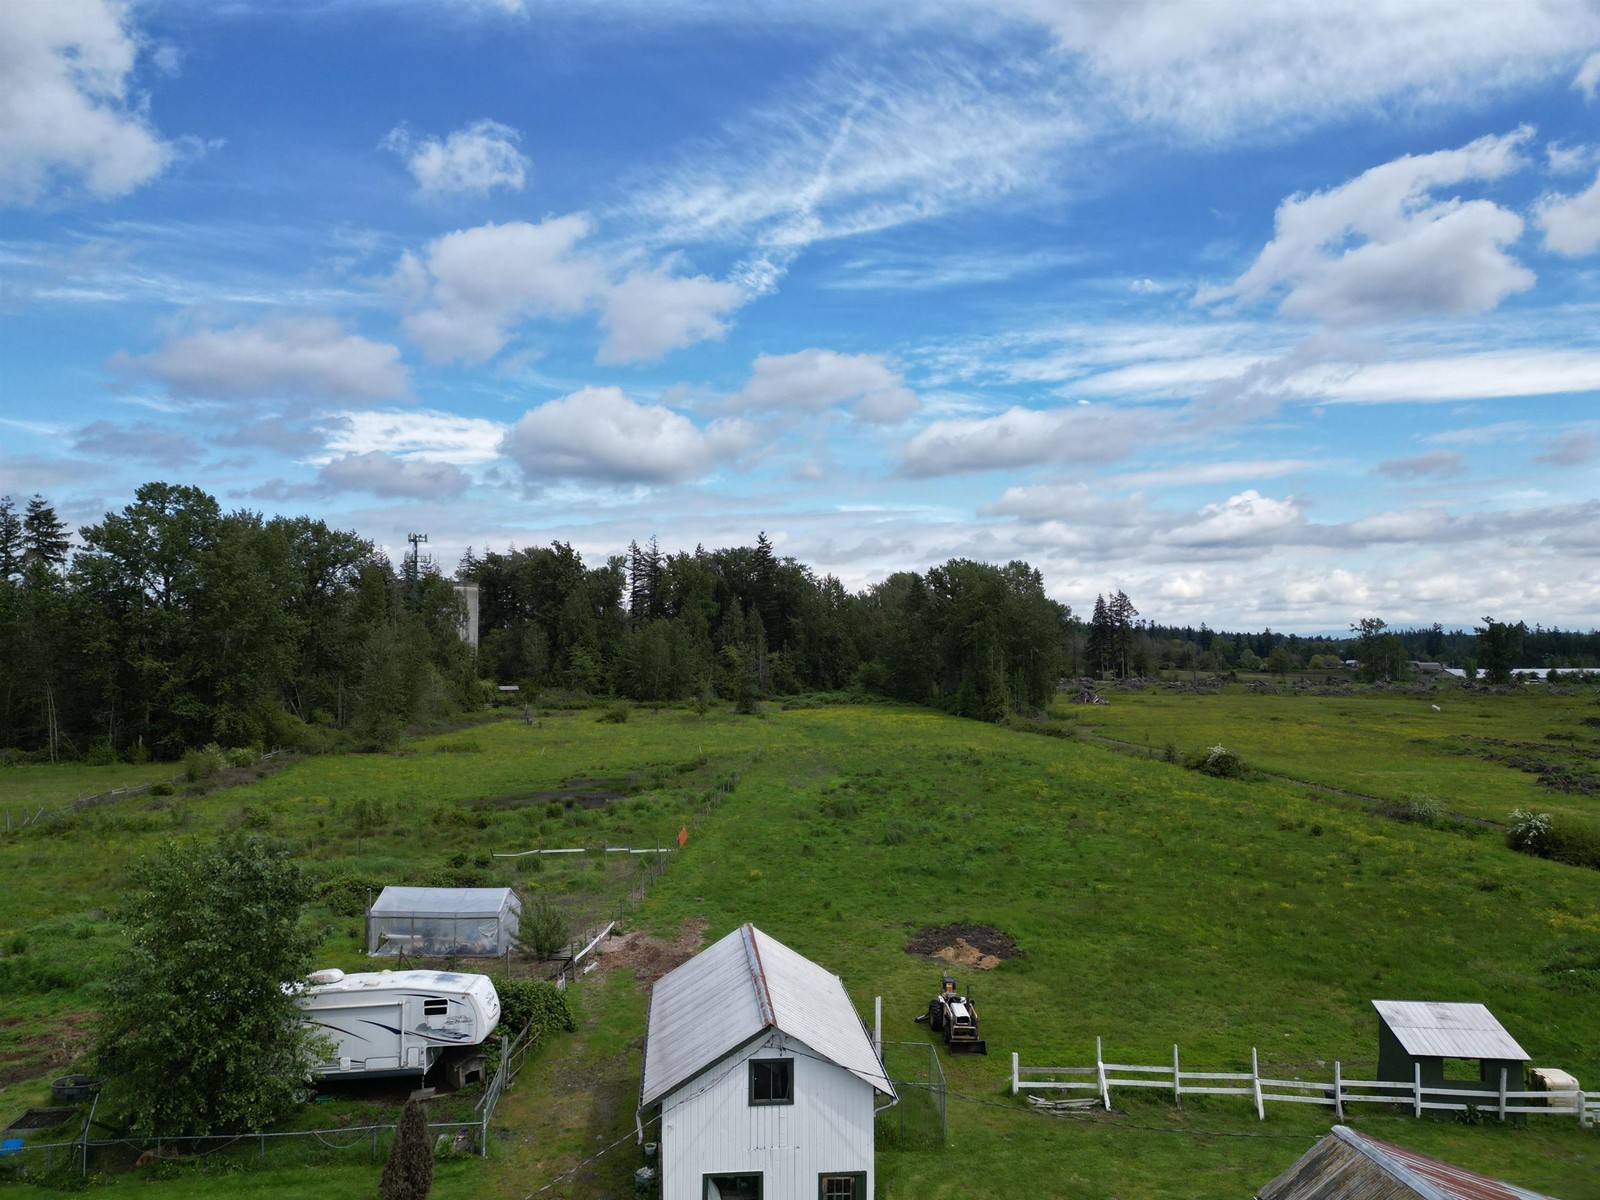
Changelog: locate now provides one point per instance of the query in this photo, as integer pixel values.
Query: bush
(202, 764)
(535, 1001)
(617, 714)
(1561, 839)
(544, 929)
(1218, 761)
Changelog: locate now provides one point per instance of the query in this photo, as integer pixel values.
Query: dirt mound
(649, 958)
(980, 946)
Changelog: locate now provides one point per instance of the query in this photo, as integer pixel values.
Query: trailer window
(435, 1008)
(772, 1081)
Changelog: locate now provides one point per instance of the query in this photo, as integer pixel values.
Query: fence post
(1416, 1084)
(1177, 1090)
(1014, 1073)
(1100, 1069)
(1502, 1093)
(1255, 1082)
(1338, 1090)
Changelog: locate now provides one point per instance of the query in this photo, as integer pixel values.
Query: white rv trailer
(396, 1022)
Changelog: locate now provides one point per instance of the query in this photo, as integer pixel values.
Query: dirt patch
(69, 1037)
(588, 793)
(980, 946)
(649, 958)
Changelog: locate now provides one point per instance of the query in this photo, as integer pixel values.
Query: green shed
(1458, 1046)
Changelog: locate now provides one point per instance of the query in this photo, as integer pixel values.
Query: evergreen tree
(408, 1171)
(11, 544)
(1499, 645)
(44, 535)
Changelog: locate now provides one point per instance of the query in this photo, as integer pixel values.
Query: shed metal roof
(445, 902)
(733, 991)
(1347, 1165)
(1431, 1028)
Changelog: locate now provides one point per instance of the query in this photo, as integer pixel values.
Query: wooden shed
(1347, 1165)
(1453, 1045)
(764, 1076)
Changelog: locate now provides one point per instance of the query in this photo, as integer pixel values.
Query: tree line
(174, 625)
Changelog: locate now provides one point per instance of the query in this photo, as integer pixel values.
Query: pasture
(1152, 904)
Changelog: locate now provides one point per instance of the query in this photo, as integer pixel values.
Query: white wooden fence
(1336, 1093)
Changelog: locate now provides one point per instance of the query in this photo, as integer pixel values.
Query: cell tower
(414, 565)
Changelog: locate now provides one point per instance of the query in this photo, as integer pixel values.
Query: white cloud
(310, 356)
(473, 160)
(857, 149)
(1569, 160)
(470, 288)
(420, 434)
(1382, 246)
(812, 381)
(383, 475)
(66, 115)
(1183, 474)
(141, 442)
(1434, 462)
(1572, 449)
(1587, 79)
(1571, 224)
(1248, 518)
(1022, 437)
(472, 285)
(598, 433)
(1216, 69)
(1482, 376)
(650, 312)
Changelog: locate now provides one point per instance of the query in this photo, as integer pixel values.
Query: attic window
(772, 1081)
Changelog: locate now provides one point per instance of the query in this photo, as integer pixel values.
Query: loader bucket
(975, 1046)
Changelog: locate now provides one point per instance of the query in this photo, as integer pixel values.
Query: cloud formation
(813, 381)
(383, 475)
(1571, 224)
(1382, 246)
(600, 434)
(66, 113)
(141, 442)
(1434, 462)
(471, 161)
(283, 356)
(469, 289)
(1574, 448)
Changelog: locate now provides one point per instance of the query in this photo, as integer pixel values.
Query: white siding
(708, 1126)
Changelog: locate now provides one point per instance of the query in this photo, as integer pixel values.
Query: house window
(772, 1081)
(733, 1187)
(842, 1185)
(435, 1008)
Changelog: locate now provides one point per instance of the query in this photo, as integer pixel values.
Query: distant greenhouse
(443, 922)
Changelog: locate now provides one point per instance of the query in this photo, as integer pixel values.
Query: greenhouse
(443, 922)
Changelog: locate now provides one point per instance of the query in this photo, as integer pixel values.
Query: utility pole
(415, 569)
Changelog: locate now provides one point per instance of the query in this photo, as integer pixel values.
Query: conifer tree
(408, 1172)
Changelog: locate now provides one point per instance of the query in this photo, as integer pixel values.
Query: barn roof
(1432, 1029)
(734, 990)
(1347, 1165)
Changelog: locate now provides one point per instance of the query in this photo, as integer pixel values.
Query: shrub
(199, 765)
(1561, 839)
(1527, 831)
(1218, 761)
(544, 929)
(617, 714)
(535, 1001)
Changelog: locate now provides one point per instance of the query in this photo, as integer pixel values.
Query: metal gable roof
(1347, 1165)
(1431, 1028)
(734, 990)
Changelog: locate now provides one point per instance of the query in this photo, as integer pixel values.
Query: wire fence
(86, 1154)
(920, 1117)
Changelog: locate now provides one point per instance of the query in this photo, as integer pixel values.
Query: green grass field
(1154, 905)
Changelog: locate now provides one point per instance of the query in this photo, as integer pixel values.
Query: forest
(172, 625)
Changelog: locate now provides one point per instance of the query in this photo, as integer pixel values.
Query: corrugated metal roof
(444, 902)
(1347, 1165)
(734, 990)
(1433, 1028)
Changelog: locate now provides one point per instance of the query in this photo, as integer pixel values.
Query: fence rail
(1501, 1101)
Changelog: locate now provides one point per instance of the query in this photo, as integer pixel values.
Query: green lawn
(1155, 905)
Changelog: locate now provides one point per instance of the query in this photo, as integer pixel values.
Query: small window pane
(435, 1008)
(772, 1081)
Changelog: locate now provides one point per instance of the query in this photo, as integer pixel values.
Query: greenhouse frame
(428, 922)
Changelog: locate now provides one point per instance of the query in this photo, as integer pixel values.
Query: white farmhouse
(764, 1075)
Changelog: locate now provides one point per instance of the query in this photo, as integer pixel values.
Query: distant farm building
(1448, 1045)
(1347, 1165)
(443, 922)
(764, 1075)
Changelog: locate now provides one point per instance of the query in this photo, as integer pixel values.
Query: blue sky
(1267, 314)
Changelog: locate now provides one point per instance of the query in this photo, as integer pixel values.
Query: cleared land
(1152, 905)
